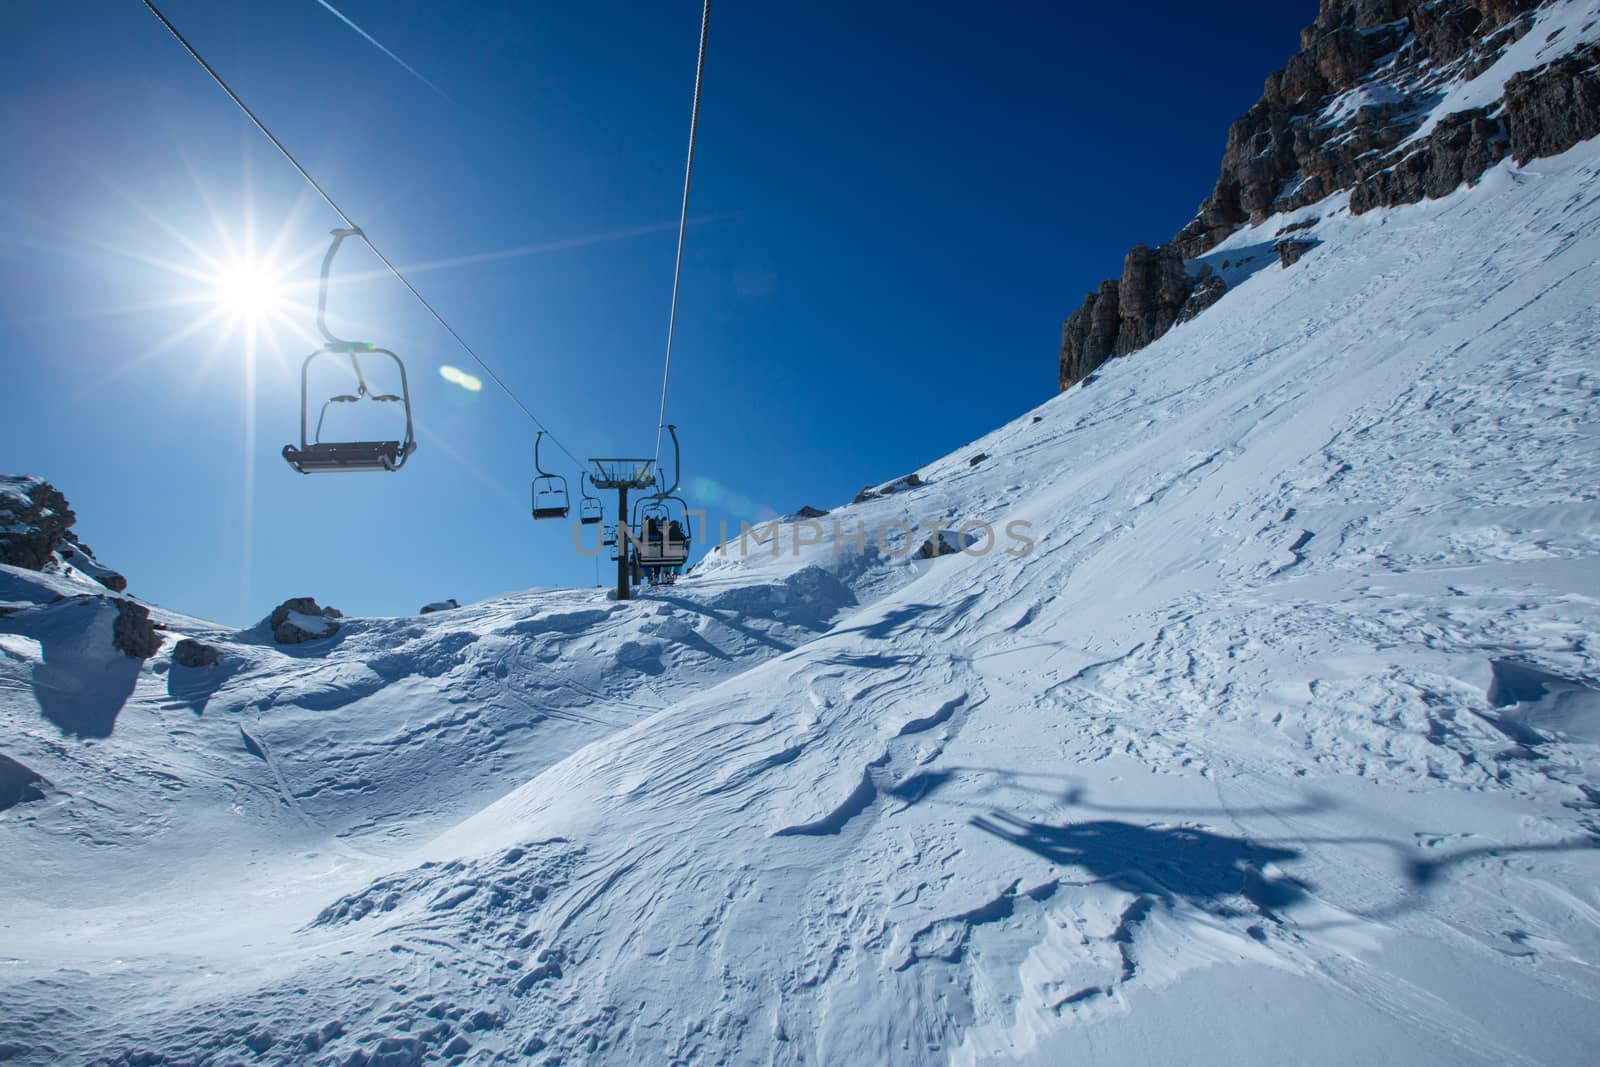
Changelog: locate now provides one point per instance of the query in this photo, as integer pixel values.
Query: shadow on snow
(1164, 862)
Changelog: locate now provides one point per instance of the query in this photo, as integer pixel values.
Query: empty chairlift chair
(316, 456)
(590, 509)
(550, 499)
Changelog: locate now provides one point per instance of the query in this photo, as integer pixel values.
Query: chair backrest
(550, 500)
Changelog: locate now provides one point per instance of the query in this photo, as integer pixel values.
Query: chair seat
(346, 456)
(658, 554)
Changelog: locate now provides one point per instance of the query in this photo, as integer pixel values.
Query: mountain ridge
(1394, 101)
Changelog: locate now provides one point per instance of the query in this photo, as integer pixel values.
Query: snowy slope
(1280, 747)
(204, 812)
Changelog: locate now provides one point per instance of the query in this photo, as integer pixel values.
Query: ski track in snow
(1212, 776)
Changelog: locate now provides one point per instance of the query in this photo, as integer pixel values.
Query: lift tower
(625, 474)
(622, 475)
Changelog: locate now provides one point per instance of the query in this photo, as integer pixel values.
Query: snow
(1347, 104)
(316, 625)
(1278, 747)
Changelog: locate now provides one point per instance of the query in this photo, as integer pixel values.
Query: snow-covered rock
(34, 517)
(300, 619)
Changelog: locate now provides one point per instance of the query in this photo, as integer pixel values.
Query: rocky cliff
(1393, 101)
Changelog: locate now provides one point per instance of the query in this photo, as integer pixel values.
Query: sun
(251, 293)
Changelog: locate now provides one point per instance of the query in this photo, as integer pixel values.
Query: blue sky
(895, 205)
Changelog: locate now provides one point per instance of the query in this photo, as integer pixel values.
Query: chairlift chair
(654, 519)
(590, 509)
(316, 456)
(550, 499)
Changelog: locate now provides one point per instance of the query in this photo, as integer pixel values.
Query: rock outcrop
(1153, 290)
(934, 547)
(1208, 289)
(1550, 109)
(1340, 108)
(1354, 110)
(871, 492)
(1457, 152)
(299, 619)
(36, 532)
(1291, 249)
(191, 653)
(74, 554)
(1089, 336)
(439, 605)
(133, 633)
(34, 517)
(1124, 314)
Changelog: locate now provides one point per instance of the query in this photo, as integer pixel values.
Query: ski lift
(661, 522)
(662, 532)
(550, 500)
(590, 509)
(316, 456)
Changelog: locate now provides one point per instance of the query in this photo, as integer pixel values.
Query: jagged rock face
(1152, 292)
(1288, 151)
(1553, 108)
(1459, 150)
(34, 517)
(1089, 336)
(1347, 113)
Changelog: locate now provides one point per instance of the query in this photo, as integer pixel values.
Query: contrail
(336, 13)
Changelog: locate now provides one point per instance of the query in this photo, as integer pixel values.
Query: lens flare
(713, 494)
(456, 376)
